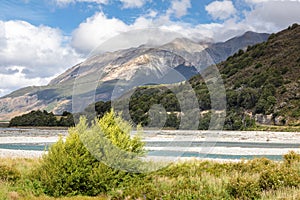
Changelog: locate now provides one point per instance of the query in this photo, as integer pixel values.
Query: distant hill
(262, 86)
(118, 66)
(264, 81)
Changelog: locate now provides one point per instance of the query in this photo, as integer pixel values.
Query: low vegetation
(255, 179)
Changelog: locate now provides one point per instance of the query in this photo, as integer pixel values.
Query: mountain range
(261, 84)
(99, 75)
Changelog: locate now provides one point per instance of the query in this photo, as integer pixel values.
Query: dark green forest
(43, 118)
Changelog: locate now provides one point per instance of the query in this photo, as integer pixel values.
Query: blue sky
(40, 39)
(67, 17)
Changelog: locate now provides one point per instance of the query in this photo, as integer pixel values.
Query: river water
(198, 144)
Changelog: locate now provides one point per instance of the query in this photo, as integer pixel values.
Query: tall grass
(254, 179)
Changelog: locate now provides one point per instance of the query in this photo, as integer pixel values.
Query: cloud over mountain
(30, 54)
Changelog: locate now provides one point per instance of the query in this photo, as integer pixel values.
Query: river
(229, 145)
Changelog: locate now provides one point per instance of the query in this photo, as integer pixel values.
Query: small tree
(70, 168)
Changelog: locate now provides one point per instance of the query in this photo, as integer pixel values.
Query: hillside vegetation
(265, 79)
(262, 87)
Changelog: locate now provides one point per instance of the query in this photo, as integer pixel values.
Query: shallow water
(211, 156)
(222, 144)
(159, 153)
(27, 146)
(163, 144)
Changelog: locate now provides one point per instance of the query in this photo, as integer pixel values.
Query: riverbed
(167, 144)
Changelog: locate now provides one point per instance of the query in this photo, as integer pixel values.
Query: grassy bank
(4, 124)
(275, 128)
(255, 179)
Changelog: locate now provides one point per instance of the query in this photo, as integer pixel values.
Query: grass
(4, 124)
(275, 128)
(184, 180)
(283, 194)
(66, 198)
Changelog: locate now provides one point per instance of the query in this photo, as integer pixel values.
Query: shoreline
(206, 139)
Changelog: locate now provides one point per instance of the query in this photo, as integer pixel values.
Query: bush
(243, 188)
(70, 168)
(291, 158)
(9, 173)
(258, 65)
(280, 177)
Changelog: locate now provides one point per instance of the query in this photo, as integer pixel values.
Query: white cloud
(179, 8)
(126, 3)
(261, 1)
(273, 15)
(100, 29)
(133, 3)
(32, 54)
(96, 30)
(66, 2)
(18, 80)
(152, 14)
(221, 9)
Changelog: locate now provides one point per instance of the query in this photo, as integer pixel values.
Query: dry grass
(65, 198)
(24, 165)
(183, 180)
(282, 194)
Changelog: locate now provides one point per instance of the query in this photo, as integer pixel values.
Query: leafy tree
(172, 121)
(35, 118)
(43, 118)
(66, 120)
(71, 167)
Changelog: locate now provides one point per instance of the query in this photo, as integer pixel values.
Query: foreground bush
(244, 188)
(291, 158)
(9, 173)
(278, 178)
(70, 169)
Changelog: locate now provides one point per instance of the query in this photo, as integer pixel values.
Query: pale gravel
(50, 136)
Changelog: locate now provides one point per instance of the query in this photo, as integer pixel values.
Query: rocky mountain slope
(131, 66)
(263, 82)
(262, 87)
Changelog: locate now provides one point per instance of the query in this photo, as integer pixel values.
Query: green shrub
(291, 158)
(9, 173)
(70, 168)
(272, 36)
(280, 177)
(258, 65)
(257, 165)
(243, 188)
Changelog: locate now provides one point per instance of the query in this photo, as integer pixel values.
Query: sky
(40, 39)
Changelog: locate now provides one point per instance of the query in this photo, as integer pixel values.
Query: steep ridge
(262, 87)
